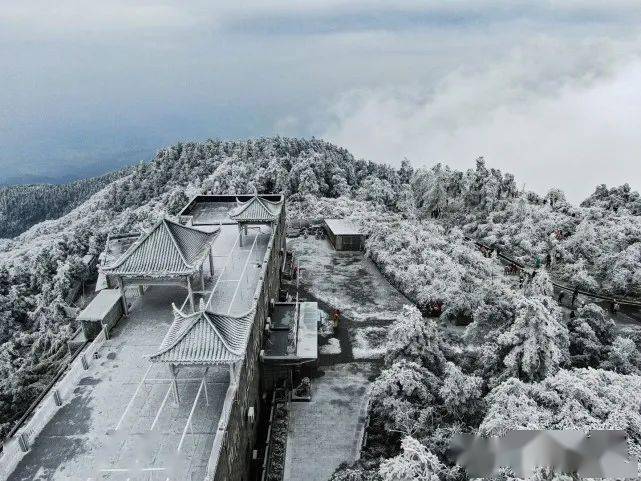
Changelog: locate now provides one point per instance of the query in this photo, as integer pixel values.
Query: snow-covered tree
(460, 393)
(434, 268)
(414, 463)
(615, 199)
(497, 311)
(536, 345)
(541, 285)
(580, 399)
(623, 357)
(404, 396)
(591, 335)
(415, 339)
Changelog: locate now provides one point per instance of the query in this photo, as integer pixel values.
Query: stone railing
(18, 445)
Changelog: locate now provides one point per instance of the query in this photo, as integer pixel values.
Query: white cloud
(429, 79)
(554, 113)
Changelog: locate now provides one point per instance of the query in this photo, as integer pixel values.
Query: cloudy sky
(548, 90)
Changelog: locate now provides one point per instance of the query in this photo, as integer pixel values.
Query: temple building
(169, 253)
(173, 388)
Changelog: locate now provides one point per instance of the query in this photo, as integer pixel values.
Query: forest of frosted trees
(22, 206)
(520, 362)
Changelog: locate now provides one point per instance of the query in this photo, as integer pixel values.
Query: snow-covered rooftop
(343, 227)
(204, 338)
(167, 249)
(100, 305)
(217, 209)
(256, 209)
(122, 419)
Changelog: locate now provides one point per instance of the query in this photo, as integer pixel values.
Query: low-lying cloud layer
(552, 113)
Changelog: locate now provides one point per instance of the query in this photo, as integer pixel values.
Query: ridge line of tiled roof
(134, 247)
(221, 337)
(165, 222)
(197, 316)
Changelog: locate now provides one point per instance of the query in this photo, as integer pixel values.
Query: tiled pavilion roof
(257, 209)
(205, 338)
(167, 249)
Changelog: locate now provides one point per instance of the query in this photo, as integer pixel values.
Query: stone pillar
(211, 262)
(172, 370)
(125, 308)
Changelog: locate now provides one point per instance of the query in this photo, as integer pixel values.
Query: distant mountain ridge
(22, 206)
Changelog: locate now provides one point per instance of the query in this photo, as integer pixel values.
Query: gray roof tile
(169, 248)
(257, 210)
(205, 338)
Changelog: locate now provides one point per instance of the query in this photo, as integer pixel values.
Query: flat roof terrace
(236, 269)
(215, 209)
(123, 421)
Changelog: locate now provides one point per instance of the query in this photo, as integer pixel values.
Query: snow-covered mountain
(22, 206)
(418, 220)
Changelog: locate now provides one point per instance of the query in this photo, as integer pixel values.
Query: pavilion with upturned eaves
(256, 210)
(204, 339)
(170, 253)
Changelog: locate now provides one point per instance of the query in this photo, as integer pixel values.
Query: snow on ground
(333, 346)
(327, 431)
(122, 417)
(369, 342)
(346, 280)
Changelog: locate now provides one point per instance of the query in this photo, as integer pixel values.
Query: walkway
(327, 431)
(123, 422)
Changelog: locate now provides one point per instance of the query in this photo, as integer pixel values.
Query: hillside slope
(600, 245)
(38, 267)
(22, 206)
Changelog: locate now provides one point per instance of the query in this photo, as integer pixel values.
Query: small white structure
(103, 312)
(344, 235)
(169, 253)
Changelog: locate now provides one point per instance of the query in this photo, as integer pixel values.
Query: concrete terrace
(236, 269)
(331, 425)
(123, 421)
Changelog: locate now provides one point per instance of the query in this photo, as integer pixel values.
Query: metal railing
(619, 300)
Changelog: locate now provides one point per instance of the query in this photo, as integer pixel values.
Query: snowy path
(327, 431)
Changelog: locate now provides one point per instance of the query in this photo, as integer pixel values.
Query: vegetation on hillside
(519, 344)
(22, 206)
